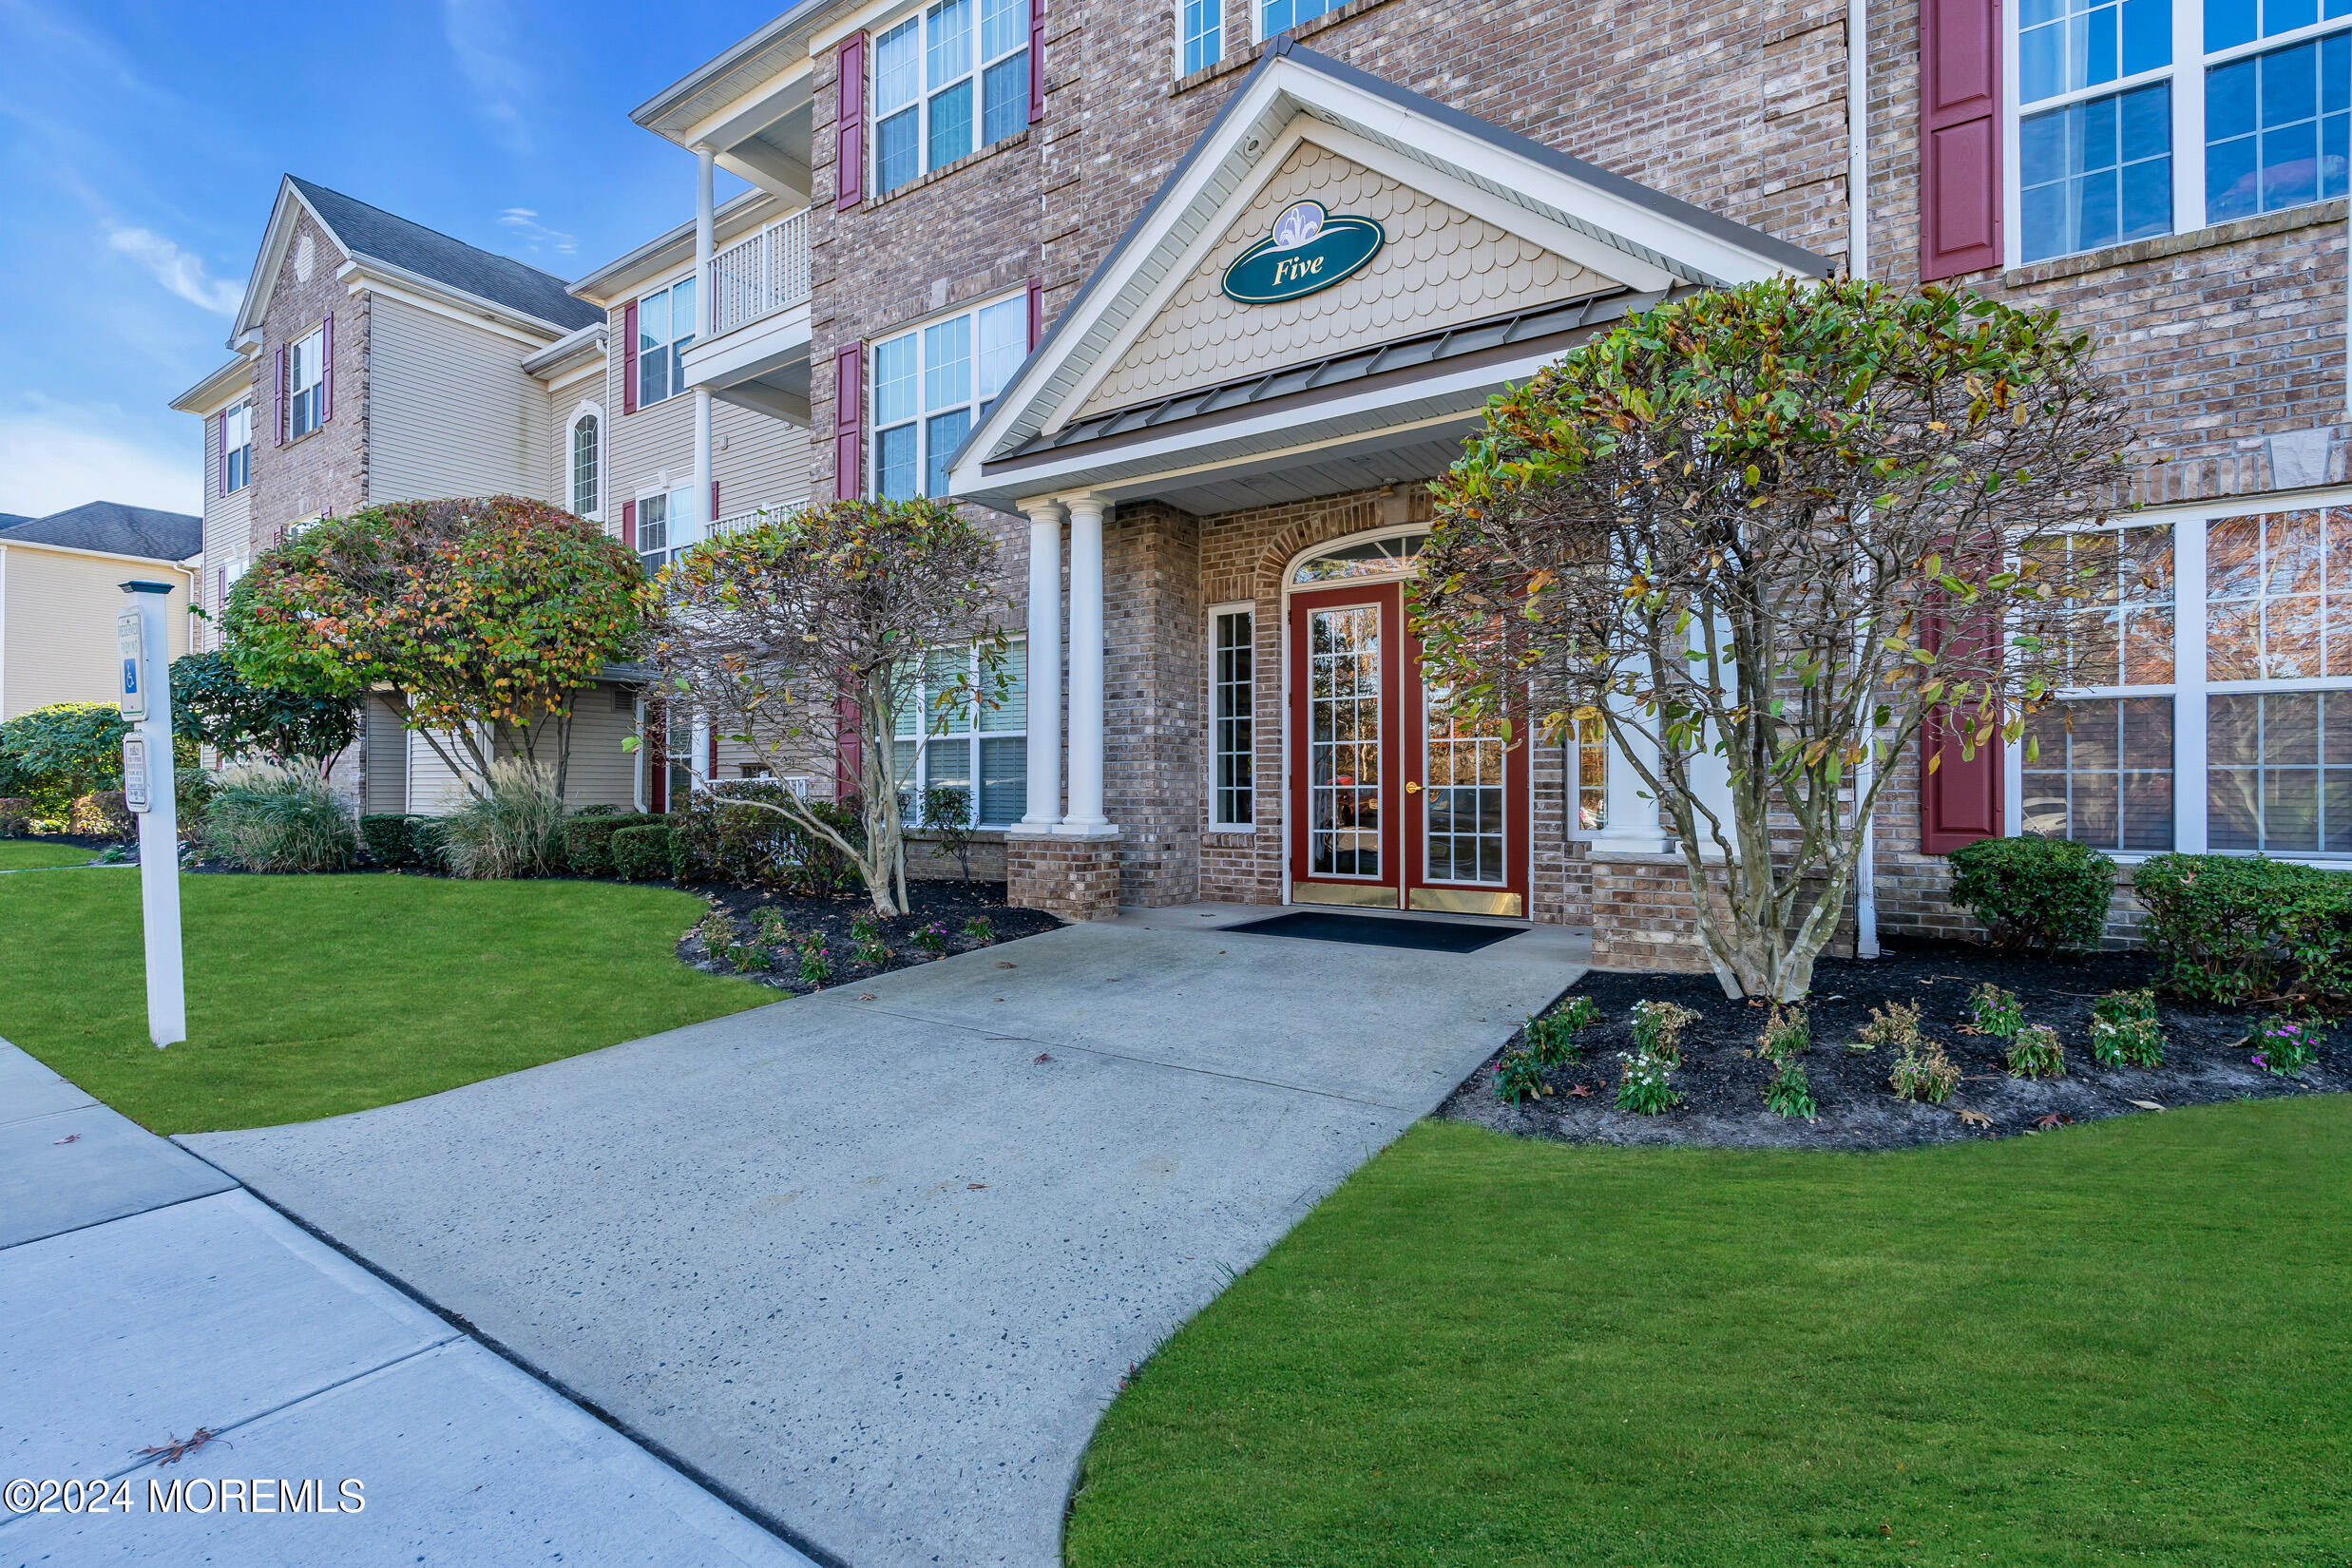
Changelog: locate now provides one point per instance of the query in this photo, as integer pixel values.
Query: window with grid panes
(950, 79)
(931, 386)
(944, 740)
(1233, 698)
(2099, 767)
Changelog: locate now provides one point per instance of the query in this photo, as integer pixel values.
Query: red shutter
(326, 369)
(714, 500)
(1961, 797)
(850, 121)
(628, 523)
(1037, 61)
(222, 425)
(1036, 310)
(849, 768)
(628, 358)
(277, 419)
(849, 421)
(711, 771)
(1960, 137)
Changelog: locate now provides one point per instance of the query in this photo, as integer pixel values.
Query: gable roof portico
(1503, 253)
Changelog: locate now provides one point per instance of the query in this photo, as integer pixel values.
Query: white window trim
(672, 546)
(923, 415)
(919, 15)
(247, 408)
(634, 360)
(316, 340)
(1247, 608)
(2187, 74)
(2189, 688)
(1016, 657)
(586, 410)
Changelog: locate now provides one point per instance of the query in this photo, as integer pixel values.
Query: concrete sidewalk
(145, 1296)
(876, 1260)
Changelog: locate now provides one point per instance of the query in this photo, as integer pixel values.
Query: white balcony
(757, 353)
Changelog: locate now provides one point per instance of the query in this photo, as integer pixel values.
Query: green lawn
(314, 995)
(17, 855)
(2125, 1342)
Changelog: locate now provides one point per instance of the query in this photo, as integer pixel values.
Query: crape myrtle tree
(806, 635)
(213, 705)
(1774, 530)
(478, 619)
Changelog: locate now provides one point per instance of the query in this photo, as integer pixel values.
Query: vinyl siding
(386, 748)
(601, 774)
(57, 615)
(451, 411)
(434, 790)
(758, 460)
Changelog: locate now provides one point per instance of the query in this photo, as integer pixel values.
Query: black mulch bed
(1722, 1079)
(940, 902)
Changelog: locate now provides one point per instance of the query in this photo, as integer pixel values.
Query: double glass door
(1398, 803)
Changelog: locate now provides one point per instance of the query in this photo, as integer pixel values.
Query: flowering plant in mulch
(981, 929)
(1643, 1086)
(2124, 1032)
(1658, 1029)
(1520, 1076)
(816, 962)
(2036, 1053)
(2284, 1047)
(932, 939)
(1790, 1092)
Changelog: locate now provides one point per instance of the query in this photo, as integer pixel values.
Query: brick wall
(1074, 878)
(326, 472)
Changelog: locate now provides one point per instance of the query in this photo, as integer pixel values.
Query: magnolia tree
(213, 705)
(478, 619)
(1773, 532)
(806, 636)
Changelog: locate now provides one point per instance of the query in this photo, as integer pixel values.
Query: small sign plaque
(1309, 251)
(130, 643)
(135, 772)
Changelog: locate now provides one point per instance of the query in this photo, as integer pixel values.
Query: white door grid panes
(1344, 718)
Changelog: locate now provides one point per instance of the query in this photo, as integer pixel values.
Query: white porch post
(1085, 818)
(704, 245)
(1044, 607)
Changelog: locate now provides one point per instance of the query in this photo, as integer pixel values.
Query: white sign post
(142, 639)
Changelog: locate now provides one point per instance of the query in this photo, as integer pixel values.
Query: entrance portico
(1230, 430)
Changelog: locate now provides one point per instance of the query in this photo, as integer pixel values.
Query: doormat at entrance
(1433, 936)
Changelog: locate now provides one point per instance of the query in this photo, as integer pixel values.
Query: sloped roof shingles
(111, 526)
(372, 231)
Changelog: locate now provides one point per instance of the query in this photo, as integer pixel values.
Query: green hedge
(104, 815)
(2038, 895)
(642, 854)
(723, 836)
(587, 838)
(429, 844)
(386, 835)
(2233, 929)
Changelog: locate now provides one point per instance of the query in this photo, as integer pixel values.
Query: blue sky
(141, 145)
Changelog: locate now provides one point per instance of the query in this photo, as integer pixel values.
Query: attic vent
(305, 252)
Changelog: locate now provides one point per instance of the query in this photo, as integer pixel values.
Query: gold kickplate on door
(1355, 897)
(1461, 901)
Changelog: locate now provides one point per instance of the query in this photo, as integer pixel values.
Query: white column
(704, 310)
(1085, 818)
(1633, 825)
(1044, 607)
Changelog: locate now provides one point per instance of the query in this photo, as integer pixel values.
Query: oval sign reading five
(1309, 251)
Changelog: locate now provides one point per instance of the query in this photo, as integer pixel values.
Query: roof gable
(367, 234)
(1601, 223)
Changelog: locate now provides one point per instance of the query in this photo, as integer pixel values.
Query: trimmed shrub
(641, 853)
(512, 829)
(2035, 895)
(722, 838)
(2036, 1053)
(428, 843)
(2228, 928)
(388, 836)
(15, 816)
(269, 819)
(588, 838)
(104, 815)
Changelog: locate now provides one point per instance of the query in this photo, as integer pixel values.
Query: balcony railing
(764, 272)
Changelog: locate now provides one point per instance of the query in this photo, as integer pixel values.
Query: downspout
(1858, 266)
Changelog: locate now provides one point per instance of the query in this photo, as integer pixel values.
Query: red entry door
(1397, 804)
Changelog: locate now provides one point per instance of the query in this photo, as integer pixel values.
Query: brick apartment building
(1065, 261)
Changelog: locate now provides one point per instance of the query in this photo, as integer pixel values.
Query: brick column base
(1074, 878)
(1643, 918)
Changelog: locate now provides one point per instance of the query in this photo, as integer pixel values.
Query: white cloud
(481, 34)
(176, 270)
(57, 457)
(535, 234)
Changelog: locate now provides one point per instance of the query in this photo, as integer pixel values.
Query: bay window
(947, 744)
(932, 384)
(2139, 117)
(952, 77)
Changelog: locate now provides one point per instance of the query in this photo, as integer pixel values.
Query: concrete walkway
(876, 1260)
(145, 1296)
